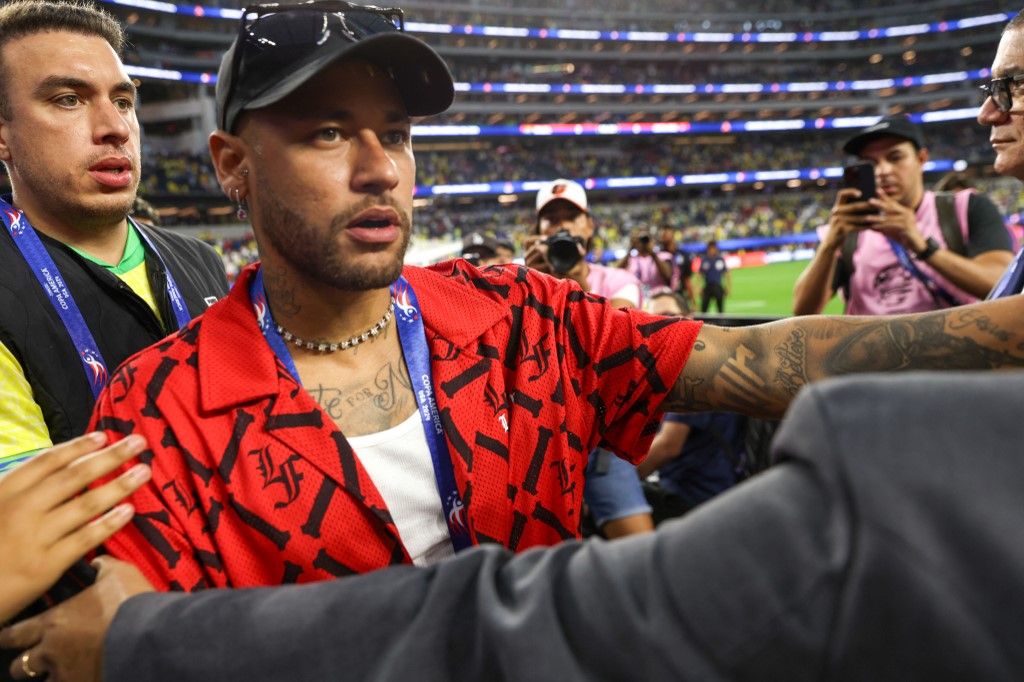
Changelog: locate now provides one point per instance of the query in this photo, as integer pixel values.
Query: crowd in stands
(533, 159)
(177, 174)
(632, 72)
(664, 15)
(174, 41)
(695, 219)
(237, 252)
(540, 159)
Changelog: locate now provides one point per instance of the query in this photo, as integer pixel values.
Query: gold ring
(25, 666)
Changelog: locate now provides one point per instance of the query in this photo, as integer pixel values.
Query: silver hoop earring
(240, 212)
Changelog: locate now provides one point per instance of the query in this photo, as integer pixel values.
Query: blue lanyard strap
(939, 294)
(50, 279)
(1012, 281)
(416, 354)
(56, 289)
(265, 320)
(181, 314)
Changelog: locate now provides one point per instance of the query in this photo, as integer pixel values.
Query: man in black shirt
(82, 286)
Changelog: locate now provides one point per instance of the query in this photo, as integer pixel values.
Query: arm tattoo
(728, 372)
(757, 370)
(982, 322)
(954, 339)
(792, 354)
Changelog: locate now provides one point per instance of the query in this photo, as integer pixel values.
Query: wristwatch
(930, 247)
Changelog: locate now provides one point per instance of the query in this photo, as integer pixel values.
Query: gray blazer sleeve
(883, 546)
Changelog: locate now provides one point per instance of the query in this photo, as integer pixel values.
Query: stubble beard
(61, 200)
(315, 252)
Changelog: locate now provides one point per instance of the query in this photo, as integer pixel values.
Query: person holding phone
(891, 246)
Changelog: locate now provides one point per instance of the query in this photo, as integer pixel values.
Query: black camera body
(563, 251)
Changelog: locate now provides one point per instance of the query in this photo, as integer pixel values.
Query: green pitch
(768, 290)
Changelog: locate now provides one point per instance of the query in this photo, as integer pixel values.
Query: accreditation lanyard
(416, 356)
(939, 294)
(1012, 281)
(56, 289)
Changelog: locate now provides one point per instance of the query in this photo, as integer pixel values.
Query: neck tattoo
(329, 346)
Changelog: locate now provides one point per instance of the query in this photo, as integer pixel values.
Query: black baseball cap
(890, 126)
(478, 245)
(279, 47)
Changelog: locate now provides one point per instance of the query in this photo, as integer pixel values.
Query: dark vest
(120, 321)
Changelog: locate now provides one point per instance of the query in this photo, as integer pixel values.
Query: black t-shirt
(986, 230)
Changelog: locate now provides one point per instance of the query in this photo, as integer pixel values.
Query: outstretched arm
(758, 370)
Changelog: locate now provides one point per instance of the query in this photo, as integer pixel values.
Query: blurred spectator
(682, 263)
(562, 236)
(505, 251)
(480, 249)
(905, 249)
(717, 280)
(654, 269)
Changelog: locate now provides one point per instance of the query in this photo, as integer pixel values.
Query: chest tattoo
(368, 406)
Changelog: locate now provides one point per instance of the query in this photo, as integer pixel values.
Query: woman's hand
(48, 521)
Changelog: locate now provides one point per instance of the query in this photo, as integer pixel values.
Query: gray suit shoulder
(927, 469)
(878, 413)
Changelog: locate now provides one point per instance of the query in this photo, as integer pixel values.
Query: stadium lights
(610, 89)
(678, 127)
(625, 35)
(793, 178)
(640, 127)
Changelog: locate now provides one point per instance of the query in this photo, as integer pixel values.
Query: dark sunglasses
(999, 90)
(273, 34)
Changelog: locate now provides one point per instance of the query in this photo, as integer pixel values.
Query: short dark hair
(1015, 24)
(27, 17)
(680, 301)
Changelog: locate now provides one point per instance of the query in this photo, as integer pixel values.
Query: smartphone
(861, 176)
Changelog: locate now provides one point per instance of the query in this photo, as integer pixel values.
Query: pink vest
(609, 282)
(881, 286)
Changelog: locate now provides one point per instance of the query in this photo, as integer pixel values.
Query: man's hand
(66, 642)
(47, 525)
(535, 254)
(849, 214)
(897, 222)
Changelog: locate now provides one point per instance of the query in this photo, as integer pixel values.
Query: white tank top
(398, 462)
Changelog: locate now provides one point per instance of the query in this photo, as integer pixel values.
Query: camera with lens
(563, 251)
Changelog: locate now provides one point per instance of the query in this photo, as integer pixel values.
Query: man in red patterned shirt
(338, 413)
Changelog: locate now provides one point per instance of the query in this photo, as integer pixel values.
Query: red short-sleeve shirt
(253, 484)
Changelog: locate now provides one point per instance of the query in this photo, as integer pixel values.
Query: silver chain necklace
(328, 347)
